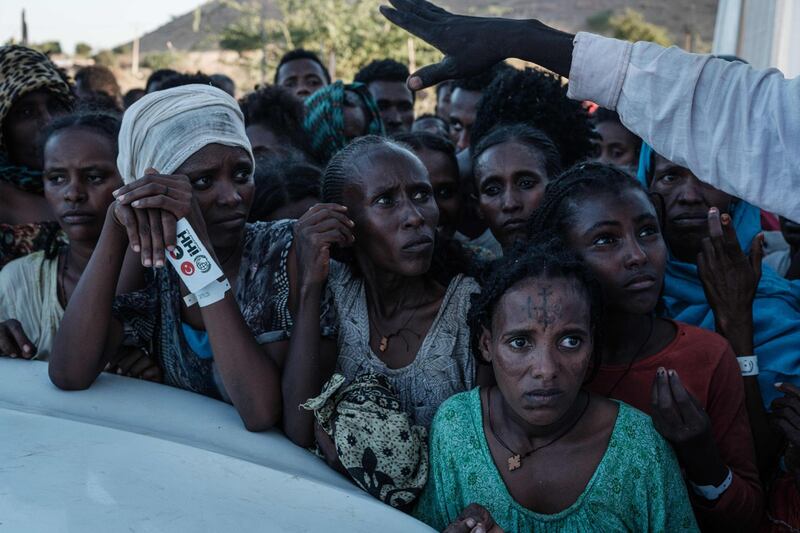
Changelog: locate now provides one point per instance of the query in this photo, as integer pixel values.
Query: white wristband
(191, 260)
(710, 492)
(210, 294)
(748, 364)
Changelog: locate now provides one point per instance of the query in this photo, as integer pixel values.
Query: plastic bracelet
(210, 294)
(748, 364)
(711, 492)
(191, 260)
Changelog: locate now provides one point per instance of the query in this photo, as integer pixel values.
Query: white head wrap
(163, 129)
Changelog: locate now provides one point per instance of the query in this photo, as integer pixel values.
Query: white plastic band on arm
(748, 364)
(191, 259)
(210, 294)
(710, 492)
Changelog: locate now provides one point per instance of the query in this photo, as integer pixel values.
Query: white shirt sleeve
(735, 127)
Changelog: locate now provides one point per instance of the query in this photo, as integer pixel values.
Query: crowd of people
(565, 301)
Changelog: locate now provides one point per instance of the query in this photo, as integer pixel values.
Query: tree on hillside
(351, 32)
(83, 50)
(629, 25)
(48, 47)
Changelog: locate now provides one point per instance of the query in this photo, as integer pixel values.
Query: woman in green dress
(537, 451)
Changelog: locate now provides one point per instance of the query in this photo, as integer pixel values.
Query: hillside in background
(199, 29)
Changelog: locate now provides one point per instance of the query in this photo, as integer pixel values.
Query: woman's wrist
(739, 333)
(702, 462)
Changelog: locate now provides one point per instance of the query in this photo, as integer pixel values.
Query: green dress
(637, 485)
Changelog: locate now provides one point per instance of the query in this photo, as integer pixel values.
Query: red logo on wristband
(187, 268)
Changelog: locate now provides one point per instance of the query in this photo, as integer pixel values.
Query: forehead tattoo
(542, 309)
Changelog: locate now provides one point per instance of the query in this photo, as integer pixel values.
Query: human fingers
(757, 255)
(8, 345)
(788, 388)
(128, 218)
(139, 366)
(730, 240)
(714, 223)
(153, 374)
(687, 406)
(421, 8)
(665, 405)
(143, 225)
(169, 229)
(178, 208)
(28, 349)
(124, 363)
(789, 403)
(324, 215)
(156, 238)
(436, 73)
(151, 185)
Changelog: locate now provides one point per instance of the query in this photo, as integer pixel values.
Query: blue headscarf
(776, 310)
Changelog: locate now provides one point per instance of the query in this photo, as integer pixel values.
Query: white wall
(766, 33)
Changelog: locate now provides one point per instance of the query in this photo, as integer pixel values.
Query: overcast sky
(101, 23)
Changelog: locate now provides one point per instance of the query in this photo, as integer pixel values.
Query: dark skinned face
(390, 199)
(463, 108)
(222, 179)
(293, 210)
(431, 125)
(443, 101)
(265, 141)
(791, 232)
(80, 175)
(511, 178)
(616, 145)
(26, 119)
(355, 117)
(303, 77)
(619, 239)
(687, 201)
(395, 104)
(444, 180)
(540, 347)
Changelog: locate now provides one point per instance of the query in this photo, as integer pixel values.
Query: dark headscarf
(23, 70)
(325, 117)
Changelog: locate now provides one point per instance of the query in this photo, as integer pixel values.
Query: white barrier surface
(131, 456)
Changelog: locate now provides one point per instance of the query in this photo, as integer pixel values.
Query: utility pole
(24, 30)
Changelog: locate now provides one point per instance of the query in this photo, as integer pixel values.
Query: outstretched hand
(472, 45)
(461, 39)
(474, 518)
(730, 280)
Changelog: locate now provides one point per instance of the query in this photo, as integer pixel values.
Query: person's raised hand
(14, 342)
(322, 226)
(149, 208)
(785, 415)
(676, 414)
(730, 279)
(470, 44)
(475, 518)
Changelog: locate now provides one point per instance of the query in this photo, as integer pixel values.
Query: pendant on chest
(514, 462)
(384, 345)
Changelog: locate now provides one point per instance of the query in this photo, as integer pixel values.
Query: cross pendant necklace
(515, 459)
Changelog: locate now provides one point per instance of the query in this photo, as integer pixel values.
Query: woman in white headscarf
(183, 152)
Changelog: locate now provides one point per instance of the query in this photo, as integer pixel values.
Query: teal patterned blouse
(637, 485)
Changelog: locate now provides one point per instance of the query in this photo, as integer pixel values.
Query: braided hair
(545, 260)
(106, 124)
(538, 99)
(553, 216)
(523, 134)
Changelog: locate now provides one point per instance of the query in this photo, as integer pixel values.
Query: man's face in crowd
(303, 77)
(395, 104)
(463, 108)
